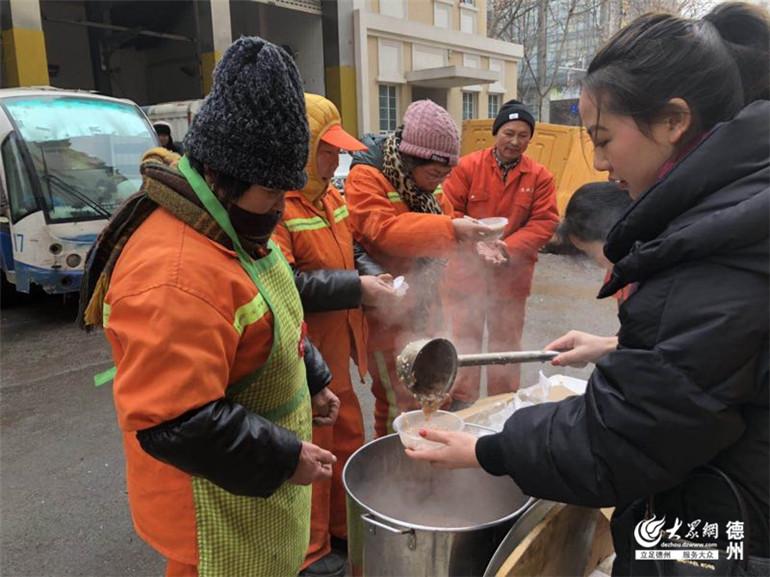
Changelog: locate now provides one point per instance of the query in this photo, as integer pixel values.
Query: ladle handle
(510, 358)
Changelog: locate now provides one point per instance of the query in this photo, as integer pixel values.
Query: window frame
(24, 164)
(498, 97)
(474, 105)
(392, 114)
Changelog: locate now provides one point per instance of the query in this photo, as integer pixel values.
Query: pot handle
(367, 518)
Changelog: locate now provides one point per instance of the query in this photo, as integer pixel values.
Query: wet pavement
(63, 506)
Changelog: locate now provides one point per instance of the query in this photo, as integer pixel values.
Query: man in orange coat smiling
(496, 277)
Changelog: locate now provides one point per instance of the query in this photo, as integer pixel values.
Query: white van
(69, 159)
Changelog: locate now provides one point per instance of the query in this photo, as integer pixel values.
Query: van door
(18, 201)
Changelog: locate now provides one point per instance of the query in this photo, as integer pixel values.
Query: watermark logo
(698, 542)
(649, 532)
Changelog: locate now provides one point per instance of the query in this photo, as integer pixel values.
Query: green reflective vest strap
(341, 212)
(304, 224)
(249, 313)
(396, 197)
(238, 535)
(315, 222)
(105, 376)
(109, 375)
(106, 311)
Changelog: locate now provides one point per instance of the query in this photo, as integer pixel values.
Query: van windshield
(85, 151)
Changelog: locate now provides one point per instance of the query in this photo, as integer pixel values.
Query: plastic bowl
(408, 426)
(496, 223)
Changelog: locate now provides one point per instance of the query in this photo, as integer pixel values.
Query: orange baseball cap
(336, 136)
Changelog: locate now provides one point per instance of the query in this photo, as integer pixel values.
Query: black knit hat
(162, 128)
(513, 110)
(252, 125)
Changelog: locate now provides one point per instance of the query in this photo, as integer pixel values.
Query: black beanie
(162, 128)
(252, 125)
(513, 110)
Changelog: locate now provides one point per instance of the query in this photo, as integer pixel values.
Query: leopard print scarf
(427, 273)
(393, 169)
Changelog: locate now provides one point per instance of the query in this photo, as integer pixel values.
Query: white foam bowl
(408, 426)
(496, 223)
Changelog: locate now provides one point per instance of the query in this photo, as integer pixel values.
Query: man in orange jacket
(495, 278)
(315, 237)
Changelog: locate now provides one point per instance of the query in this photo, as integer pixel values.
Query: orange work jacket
(395, 237)
(182, 315)
(527, 199)
(314, 238)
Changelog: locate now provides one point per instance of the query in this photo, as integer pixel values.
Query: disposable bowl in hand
(496, 223)
(408, 426)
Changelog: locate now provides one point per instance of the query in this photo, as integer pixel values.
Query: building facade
(371, 57)
(436, 49)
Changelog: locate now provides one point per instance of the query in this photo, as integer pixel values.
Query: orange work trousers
(391, 397)
(343, 438)
(177, 569)
(505, 324)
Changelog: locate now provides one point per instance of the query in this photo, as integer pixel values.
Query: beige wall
(511, 80)
(420, 11)
(454, 105)
(374, 94)
(481, 22)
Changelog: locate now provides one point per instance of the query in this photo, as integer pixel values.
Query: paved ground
(63, 508)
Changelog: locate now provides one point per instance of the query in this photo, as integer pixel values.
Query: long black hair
(717, 65)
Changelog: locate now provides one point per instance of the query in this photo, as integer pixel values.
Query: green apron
(247, 536)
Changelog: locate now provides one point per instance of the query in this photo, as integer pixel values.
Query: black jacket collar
(715, 203)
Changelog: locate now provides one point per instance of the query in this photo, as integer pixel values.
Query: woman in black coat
(678, 111)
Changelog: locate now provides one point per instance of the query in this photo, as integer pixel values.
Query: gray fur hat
(252, 125)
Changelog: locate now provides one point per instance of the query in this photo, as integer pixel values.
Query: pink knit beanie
(429, 132)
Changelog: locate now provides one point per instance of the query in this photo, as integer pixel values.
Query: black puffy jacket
(688, 384)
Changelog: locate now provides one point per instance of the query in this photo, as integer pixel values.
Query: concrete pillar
(24, 59)
(339, 60)
(214, 34)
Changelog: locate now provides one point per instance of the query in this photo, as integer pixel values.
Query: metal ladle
(428, 367)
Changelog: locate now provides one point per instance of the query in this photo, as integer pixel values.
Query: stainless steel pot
(406, 518)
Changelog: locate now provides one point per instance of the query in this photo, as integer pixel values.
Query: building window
(388, 108)
(442, 15)
(467, 22)
(470, 105)
(389, 58)
(468, 2)
(494, 105)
